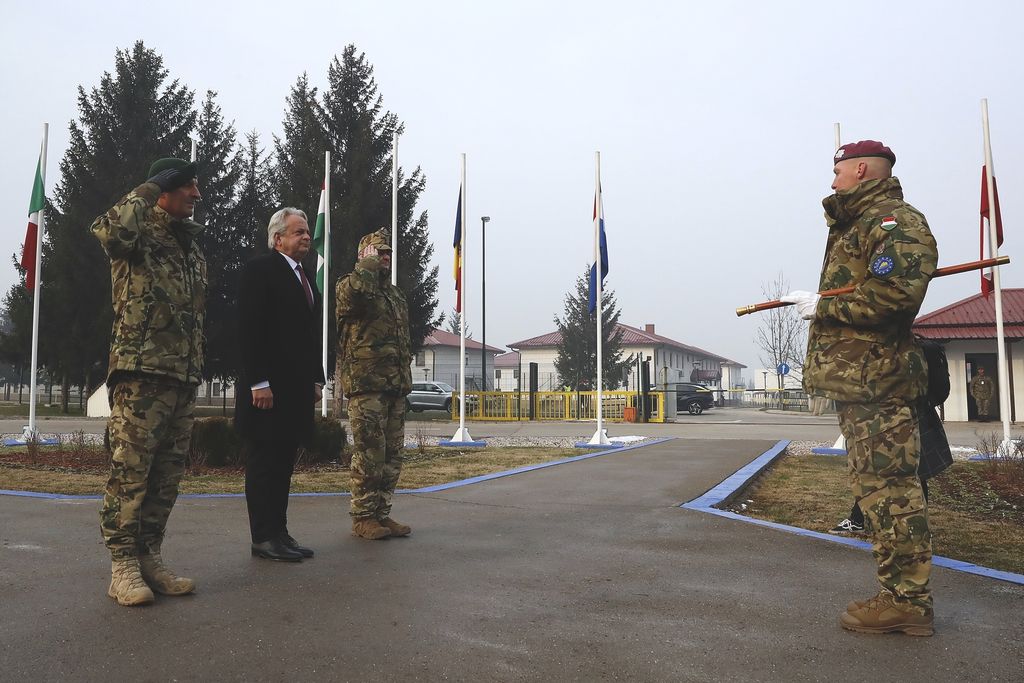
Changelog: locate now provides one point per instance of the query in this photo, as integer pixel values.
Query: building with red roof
(438, 361)
(967, 331)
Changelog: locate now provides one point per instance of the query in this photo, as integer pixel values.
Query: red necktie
(305, 285)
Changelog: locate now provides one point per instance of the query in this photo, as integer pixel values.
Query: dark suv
(693, 398)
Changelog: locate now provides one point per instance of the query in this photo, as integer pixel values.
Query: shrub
(214, 444)
(328, 445)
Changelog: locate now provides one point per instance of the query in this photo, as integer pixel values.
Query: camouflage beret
(381, 239)
(188, 169)
(864, 148)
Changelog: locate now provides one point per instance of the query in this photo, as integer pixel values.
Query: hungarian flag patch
(889, 222)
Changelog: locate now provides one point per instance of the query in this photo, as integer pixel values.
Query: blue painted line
(606, 446)
(739, 479)
(828, 451)
(341, 494)
(467, 444)
(22, 442)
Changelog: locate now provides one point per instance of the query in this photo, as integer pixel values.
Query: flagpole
(462, 435)
(30, 431)
(325, 398)
(599, 438)
(394, 208)
(993, 250)
(195, 148)
(835, 127)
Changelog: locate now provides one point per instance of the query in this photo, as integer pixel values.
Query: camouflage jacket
(158, 288)
(373, 333)
(982, 387)
(860, 347)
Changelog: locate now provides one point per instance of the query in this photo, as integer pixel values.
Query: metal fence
(616, 406)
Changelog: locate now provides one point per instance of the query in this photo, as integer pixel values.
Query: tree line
(139, 113)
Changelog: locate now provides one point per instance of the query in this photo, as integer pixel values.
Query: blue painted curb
(828, 451)
(467, 444)
(341, 494)
(739, 479)
(21, 442)
(604, 446)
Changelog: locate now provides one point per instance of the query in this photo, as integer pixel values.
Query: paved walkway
(585, 571)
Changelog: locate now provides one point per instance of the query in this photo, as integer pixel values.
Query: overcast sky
(714, 122)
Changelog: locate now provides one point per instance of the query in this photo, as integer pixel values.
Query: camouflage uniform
(374, 355)
(982, 388)
(862, 354)
(158, 288)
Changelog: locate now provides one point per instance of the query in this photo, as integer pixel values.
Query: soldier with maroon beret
(861, 353)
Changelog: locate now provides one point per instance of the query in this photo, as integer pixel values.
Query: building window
(497, 373)
(515, 373)
(421, 359)
(216, 388)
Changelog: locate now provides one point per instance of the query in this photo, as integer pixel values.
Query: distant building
(438, 361)
(507, 372)
(671, 361)
(967, 330)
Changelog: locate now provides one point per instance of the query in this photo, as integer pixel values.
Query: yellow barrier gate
(555, 405)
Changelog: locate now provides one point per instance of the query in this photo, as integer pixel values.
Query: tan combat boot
(882, 614)
(369, 528)
(126, 583)
(396, 528)
(161, 579)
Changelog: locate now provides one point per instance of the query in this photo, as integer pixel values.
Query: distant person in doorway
(982, 389)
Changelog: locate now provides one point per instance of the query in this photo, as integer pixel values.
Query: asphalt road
(585, 571)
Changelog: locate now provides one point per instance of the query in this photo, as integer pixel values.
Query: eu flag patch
(882, 265)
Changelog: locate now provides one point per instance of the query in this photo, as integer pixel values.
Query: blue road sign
(783, 369)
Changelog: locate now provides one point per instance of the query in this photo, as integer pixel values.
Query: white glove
(806, 302)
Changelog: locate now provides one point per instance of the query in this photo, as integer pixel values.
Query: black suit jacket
(280, 343)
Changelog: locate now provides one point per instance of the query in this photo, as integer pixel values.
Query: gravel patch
(805, 447)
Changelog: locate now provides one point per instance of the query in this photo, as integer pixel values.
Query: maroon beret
(864, 148)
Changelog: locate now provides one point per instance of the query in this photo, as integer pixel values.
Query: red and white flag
(987, 213)
(35, 211)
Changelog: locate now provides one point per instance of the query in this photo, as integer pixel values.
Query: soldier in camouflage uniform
(158, 283)
(374, 357)
(982, 388)
(861, 353)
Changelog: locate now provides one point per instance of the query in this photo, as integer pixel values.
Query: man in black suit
(281, 379)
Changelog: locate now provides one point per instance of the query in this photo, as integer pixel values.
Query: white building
(671, 361)
(967, 331)
(438, 361)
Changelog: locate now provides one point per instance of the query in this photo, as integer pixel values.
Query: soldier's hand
(263, 399)
(370, 263)
(806, 302)
(318, 393)
(167, 180)
(368, 250)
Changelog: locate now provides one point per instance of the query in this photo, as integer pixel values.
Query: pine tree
(220, 168)
(455, 321)
(576, 363)
(256, 200)
(132, 118)
(299, 155)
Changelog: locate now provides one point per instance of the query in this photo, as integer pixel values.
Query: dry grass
(424, 467)
(968, 520)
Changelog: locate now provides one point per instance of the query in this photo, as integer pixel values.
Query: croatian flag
(599, 219)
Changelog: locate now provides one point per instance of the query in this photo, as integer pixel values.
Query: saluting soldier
(158, 291)
(862, 354)
(376, 376)
(982, 388)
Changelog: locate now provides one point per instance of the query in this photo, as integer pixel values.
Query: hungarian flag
(603, 249)
(986, 213)
(35, 217)
(457, 244)
(319, 238)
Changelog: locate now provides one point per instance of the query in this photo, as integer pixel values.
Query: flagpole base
(29, 436)
(598, 440)
(1006, 449)
(838, 449)
(462, 438)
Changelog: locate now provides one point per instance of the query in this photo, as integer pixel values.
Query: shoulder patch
(888, 223)
(882, 266)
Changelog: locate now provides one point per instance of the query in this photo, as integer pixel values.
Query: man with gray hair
(281, 379)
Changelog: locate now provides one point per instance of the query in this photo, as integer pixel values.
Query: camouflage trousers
(884, 446)
(150, 428)
(982, 406)
(377, 422)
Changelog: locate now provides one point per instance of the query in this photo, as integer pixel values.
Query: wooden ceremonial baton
(941, 272)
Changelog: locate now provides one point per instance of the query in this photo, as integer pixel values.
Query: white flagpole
(599, 438)
(836, 129)
(325, 399)
(394, 209)
(195, 147)
(993, 250)
(462, 435)
(30, 431)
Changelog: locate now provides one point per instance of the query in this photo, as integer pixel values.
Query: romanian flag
(986, 212)
(35, 216)
(457, 244)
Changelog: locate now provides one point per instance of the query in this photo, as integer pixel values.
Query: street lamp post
(483, 299)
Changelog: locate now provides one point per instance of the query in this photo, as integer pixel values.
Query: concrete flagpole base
(462, 438)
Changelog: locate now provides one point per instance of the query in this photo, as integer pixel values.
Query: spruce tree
(134, 116)
(576, 363)
(220, 168)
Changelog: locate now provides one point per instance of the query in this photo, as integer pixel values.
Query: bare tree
(782, 337)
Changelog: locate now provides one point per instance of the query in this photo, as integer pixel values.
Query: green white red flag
(318, 238)
(35, 216)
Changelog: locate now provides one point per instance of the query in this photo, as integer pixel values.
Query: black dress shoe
(275, 550)
(290, 543)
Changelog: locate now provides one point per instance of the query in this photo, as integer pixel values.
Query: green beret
(188, 169)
